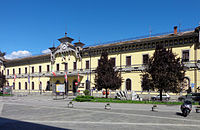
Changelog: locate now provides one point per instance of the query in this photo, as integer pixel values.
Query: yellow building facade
(35, 73)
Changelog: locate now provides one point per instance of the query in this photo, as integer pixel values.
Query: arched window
(32, 85)
(26, 86)
(128, 85)
(19, 86)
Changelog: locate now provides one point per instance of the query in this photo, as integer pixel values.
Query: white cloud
(47, 51)
(18, 54)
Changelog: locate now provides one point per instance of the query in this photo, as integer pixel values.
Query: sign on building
(60, 88)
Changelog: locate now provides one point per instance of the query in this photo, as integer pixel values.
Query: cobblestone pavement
(42, 112)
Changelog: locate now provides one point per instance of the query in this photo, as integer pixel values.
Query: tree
(164, 72)
(106, 77)
(2, 77)
(2, 80)
(2, 54)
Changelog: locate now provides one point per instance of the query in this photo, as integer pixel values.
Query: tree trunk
(106, 93)
(161, 95)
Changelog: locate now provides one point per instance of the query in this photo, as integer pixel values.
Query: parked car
(191, 96)
(164, 97)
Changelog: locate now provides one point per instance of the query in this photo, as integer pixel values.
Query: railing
(192, 64)
(71, 72)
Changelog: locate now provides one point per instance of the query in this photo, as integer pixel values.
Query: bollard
(108, 106)
(197, 109)
(154, 108)
(70, 104)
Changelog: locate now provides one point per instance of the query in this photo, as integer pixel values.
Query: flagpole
(29, 79)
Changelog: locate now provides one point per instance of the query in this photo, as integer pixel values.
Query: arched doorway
(74, 86)
(48, 86)
(128, 84)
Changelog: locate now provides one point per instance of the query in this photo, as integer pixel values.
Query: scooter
(186, 107)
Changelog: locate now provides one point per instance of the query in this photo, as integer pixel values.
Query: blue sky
(31, 26)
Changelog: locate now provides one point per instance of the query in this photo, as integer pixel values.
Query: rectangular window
(26, 86)
(113, 61)
(7, 71)
(33, 86)
(40, 69)
(66, 66)
(145, 59)
(185, 56)
(19, 70)
(19, 86)
(13, 71)
(74, 65)
(26, 70)
(57, 67)
(128, 61)
(48, 69)
(32, 69)
(87, 64)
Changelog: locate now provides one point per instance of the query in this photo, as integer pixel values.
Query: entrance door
(74, 86)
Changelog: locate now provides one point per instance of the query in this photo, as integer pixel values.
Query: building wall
(120, 59)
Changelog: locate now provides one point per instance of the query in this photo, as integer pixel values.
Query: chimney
(175, 29)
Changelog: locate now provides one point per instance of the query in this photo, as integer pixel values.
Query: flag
(66, 77)
(78, 78)
(87, 76)
(29, 79)
(14, 77)
(53, 71)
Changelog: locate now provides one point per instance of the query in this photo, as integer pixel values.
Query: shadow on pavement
(10, 124)
(179, 114)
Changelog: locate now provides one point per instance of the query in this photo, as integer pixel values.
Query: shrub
(86, 92)
(84, 98)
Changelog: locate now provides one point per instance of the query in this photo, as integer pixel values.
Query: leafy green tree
(2, 80)
(2, 77)
(106, 77)
(164, 72)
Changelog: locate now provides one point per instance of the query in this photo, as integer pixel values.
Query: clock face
(64, 47)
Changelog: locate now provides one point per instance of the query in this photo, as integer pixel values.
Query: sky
(30, 27)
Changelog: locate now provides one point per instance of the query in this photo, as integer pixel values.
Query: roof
(27, 58)
(141, 40)
(65, 37)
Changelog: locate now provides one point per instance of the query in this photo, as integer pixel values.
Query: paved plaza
(42, 112)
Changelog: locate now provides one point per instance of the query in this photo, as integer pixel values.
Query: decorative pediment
(65, 48)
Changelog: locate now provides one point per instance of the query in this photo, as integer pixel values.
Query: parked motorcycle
(186, 107)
